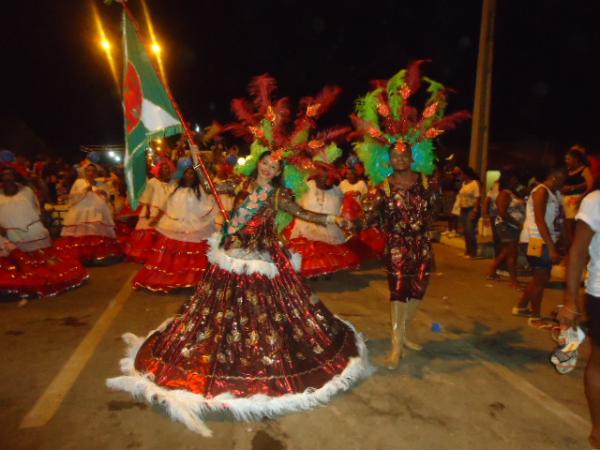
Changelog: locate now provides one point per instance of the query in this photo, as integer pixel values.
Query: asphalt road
(484, 382)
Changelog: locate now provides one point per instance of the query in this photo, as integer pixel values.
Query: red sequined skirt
(320, 258)
(139, 245)
(172, 264)
(89, 248)
(251, 344)
(42, 273)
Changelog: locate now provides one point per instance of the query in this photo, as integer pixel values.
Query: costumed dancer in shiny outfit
(253, 340)
(88, 227)
(397, 150)
(141, 242)
(178, 256)
(31, 265)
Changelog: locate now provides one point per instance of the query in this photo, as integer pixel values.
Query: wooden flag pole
(198, 163)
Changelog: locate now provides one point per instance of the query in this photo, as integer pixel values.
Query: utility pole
(478, 153)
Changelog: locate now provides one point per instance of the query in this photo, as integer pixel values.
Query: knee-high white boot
(411, 310)
(398, 312)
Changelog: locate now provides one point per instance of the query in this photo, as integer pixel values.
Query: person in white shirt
(153, 201)
(323, 248)
(88, 227)
(469, 200)
(586, 244)
(178, 256)
(542, 230)
(39, 267)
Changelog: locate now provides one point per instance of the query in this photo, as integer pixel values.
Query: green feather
(376, 159)
(267, 128)
(301, 137)
(249, 166)
(366, 107)
(332, 152)
(295, 179)
(395, 100)
(424, 158)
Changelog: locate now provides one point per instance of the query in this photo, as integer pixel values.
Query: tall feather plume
(280, 129)
(413, 75)
(239, 130)
(326, 99)
(302, 128)
(261, 88)
(333, 134)
(394, 85)
(243, 111)
(451, 120)
(366, 107)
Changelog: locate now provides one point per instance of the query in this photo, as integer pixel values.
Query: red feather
(239, 130)
(378, 84)
(450, 121)
(242, 110)
(413, 75)
(334, 134)
(261, 88)
(280, 130)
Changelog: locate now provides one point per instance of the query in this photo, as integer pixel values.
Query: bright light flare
(155, 46)
(241, 161)
(106, 46)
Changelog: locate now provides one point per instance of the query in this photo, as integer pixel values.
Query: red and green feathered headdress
(267, 124)
(385, 119)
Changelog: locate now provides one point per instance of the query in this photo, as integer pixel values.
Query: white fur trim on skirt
(245, 262)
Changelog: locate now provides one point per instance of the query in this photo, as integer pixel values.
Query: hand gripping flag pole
(198, 163)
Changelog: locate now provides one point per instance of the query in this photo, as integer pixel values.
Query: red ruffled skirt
(368, 244)
(43, 272)
(320, 258)
(89, 248)
(172, 264)
(138, 247)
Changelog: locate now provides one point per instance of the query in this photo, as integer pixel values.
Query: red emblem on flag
(132, 97)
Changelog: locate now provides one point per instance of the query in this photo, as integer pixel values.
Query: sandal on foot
(521, 312)
(539, 323)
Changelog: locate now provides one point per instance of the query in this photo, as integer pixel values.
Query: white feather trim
(190, 409)
(241, 261)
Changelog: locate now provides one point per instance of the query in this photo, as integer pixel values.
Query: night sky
(58, 92)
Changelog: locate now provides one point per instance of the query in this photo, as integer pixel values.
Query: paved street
(484, 382)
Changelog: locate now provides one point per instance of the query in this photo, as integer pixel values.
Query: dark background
(58, 92)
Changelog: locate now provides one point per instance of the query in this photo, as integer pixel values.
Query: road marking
(47, 405)
(516, 381)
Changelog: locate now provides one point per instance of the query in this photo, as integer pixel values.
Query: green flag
(147, 109)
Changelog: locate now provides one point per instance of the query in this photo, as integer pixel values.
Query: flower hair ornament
(385, 119)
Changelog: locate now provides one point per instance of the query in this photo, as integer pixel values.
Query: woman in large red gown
(253, 340)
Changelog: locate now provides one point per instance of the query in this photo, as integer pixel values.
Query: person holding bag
(542, 230)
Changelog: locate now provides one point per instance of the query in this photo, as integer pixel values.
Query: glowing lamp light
(197, 128)
(111, 154)
(105, 44)
(117, 158)
(156, 48)
(159, 141)
(241, 161)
